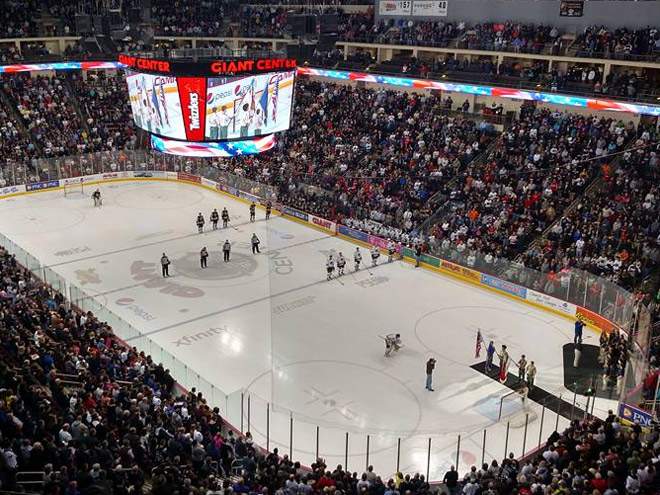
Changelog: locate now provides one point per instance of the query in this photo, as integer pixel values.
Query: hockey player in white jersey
(375, 253)
(357, 257)
(341, 263)
(392, 343)
(391, 249)
(330, 266)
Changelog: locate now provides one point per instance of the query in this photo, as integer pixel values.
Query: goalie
(392, 343)
(96, 197)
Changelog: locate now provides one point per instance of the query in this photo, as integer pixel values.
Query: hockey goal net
(73, 188)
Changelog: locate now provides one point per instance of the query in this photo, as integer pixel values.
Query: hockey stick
(337, 279)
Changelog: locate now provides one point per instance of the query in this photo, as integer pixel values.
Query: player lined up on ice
(225, 218)
(96, 197)
(215, 218)
(357, 257)
(252, 211)
(200, 222)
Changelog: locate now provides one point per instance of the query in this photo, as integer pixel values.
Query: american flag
(276, 94)
(480, 341)
(213, 150)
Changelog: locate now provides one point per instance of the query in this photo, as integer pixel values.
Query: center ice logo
(241, 265)
(150, 274)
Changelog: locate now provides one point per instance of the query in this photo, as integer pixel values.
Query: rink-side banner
(37, 186)
(504, 285)
(323, 223)
(292, 212)
(599, 104)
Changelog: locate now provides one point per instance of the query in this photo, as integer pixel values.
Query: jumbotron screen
(221, 108)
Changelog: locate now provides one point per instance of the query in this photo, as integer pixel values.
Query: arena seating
(93, 415)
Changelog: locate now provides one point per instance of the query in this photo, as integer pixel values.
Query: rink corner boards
(443, 267)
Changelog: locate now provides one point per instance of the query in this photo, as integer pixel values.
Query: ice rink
(306, 352)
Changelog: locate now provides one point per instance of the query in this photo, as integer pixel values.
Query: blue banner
(503, 285)
(355, 234)
(635, 415)
(287, 210)
(36, 186)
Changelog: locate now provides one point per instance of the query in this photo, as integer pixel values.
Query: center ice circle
(239, 266)
(341, 396)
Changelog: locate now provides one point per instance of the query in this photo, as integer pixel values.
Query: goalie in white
(392, 343)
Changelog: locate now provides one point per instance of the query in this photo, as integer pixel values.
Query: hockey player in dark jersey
(200, 223)
(215, 217)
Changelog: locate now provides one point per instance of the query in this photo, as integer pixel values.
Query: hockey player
(255, 244)
(391, 249)
(341, 263)
(226, 249)
(96, 197)
(375, 253)
(253, 208)
(269, 207)
(200, 223)
(357, 257)
(225, 218)
(203, 256)
(215, 217)
(330, 266)
(392, 343)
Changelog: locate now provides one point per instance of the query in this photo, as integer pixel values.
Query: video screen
(155, 104)
(243, 107)
(199, 109)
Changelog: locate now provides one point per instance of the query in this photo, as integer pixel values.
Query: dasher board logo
(635, 415)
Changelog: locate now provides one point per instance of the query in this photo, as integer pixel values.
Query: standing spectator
(451, 480)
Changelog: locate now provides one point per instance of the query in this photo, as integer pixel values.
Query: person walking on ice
(165, 265)
(225, 218)
(430, 366)
(203, 256)
(255, 244)
(269, 207)
(226, 249)
(252, 211)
